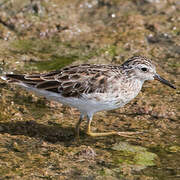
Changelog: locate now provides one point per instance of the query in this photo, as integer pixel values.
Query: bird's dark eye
(144, 69)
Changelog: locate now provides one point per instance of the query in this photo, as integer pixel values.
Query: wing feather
(71, 81)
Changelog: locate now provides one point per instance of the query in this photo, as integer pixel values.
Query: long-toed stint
(92, 88)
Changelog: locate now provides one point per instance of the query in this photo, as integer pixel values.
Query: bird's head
(143, 69)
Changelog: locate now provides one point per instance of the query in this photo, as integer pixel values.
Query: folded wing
(70, 82)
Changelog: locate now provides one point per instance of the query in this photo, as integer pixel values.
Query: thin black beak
(162, 80)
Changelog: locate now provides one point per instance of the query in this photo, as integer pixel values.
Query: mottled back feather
(70, 81)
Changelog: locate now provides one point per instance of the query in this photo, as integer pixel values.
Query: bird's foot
(129, 134)
(124, 134)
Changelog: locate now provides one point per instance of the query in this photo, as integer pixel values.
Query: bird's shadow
(52, 133)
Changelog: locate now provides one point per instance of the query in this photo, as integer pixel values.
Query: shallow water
(37, 136)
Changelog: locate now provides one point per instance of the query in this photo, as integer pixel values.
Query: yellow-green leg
(125, 134)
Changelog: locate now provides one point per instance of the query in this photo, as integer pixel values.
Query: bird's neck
(133, 87)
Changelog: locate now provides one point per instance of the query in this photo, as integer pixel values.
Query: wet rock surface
(37, 136)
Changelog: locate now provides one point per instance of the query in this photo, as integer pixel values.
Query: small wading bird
(92, 88)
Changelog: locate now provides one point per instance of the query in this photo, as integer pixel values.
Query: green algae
(55, 63)
(133, 155)
(145, 158)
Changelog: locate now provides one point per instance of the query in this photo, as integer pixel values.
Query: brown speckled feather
(70, 81)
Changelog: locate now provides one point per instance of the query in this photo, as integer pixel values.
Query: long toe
(129, 134)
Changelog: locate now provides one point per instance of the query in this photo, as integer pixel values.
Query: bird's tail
(22, 79)
(13, 78)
